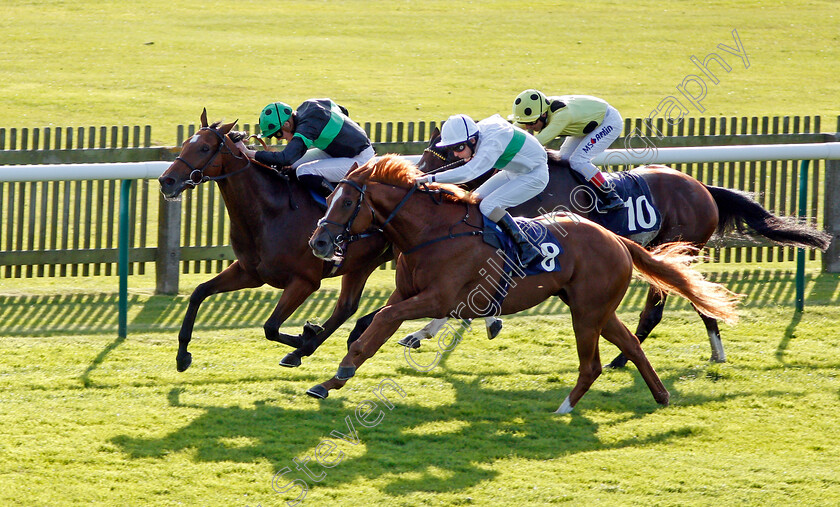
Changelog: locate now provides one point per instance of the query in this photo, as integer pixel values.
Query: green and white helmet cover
(272, 118)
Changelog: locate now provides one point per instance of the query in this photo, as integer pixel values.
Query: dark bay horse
(442, 264)
(271, 219)
(691, 212)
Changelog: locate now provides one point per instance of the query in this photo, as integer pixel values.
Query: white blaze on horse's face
(336, 198)
(194, 139)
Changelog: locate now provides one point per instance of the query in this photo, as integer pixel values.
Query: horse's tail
(668, 269)
(738, 210)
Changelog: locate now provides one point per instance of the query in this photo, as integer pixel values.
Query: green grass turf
(90, 419)
(156, 62)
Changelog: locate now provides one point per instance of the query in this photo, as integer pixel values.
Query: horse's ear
(204, 117)
(433, 135)
(353, 167)
(224, 129)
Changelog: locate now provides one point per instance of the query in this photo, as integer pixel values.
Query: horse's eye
(205, 148)
(347, 203)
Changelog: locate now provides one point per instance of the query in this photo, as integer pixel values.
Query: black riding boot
(608, 200)
(317, 183)
(527, 251)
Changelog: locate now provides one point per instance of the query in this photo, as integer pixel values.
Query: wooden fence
(69, 228)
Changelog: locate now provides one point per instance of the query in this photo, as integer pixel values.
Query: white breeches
(580, 150)
(506, 190)
(333, 169)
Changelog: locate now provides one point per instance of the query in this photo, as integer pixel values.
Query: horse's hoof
(410, 341)
(345, 372)
(291, 360)
(294, 341)
(565, 408)
(618, 362)
(183, 362)
(320, 392)
(494, 329)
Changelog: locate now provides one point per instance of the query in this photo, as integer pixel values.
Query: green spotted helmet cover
(272, 118)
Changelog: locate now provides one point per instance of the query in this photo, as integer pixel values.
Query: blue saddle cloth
(539, 236)
(319, 199)
(638, 215)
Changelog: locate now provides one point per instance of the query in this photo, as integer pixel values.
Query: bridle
(345, 237)
(445, 167)
(191, 181)
(341, 240)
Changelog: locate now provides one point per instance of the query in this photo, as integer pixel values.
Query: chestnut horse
(271, 218)
(691, 212)
(442, 263)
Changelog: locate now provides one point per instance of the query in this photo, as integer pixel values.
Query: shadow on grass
(97, 313)
(447, 448)
(790, 332)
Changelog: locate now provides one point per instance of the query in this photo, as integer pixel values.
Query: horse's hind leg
(293, 296)
(352, 285)
(361, 326)
(425, 333)
(616, 332)
(718, 355)
(587, 329)
(231, 279)
(651, 316)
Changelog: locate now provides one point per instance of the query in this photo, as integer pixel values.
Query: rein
(345, 237)
(192, 181)
(443, 158)
(200, 172)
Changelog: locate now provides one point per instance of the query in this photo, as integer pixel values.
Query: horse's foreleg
(616, 332)
(385, 323)
(231, 279)
(718, 355)
(293, 296)
(352, 285)
(651, 316)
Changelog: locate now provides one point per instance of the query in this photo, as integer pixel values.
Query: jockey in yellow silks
(589, 124)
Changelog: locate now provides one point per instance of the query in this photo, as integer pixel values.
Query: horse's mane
(395, 170)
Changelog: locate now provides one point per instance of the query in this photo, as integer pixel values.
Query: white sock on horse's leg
(565, 408)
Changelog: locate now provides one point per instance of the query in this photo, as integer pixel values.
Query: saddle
(498, 239)
(638, 220)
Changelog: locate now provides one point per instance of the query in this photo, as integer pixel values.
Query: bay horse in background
(691, 212)
(442, 263)
(271, 219)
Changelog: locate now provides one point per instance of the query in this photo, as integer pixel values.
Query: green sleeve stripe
(308, 142)
(511, 150)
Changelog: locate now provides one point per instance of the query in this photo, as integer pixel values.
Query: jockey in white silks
(493, 143)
